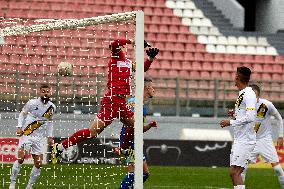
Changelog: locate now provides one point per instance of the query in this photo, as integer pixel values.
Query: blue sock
(145, 176)
(127, 181)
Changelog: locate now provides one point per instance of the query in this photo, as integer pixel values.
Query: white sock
(60, 147)
(280, 174)
(15, 171)
(243, 174)
(240, 187)
(34, 175)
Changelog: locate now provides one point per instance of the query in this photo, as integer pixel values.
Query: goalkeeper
(113, 104)
(127, 139)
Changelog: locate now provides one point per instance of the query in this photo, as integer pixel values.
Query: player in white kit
(263, 129)
(34, 122)
(243, 127)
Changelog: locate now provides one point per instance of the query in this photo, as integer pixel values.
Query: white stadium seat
(204, 30)
(252, 41)
(250, 50)
(232, 40)
(178, 12)
(271, 51)
(211, 48)
(194, 29)
(196, 22)
(214, 31)
(262, 41)
(206, 22)
(260, 50)
(202, 39)
(212, 39)
(186, 21)
(220, 49)
(170, 4)
(231, 49)
(187, 13)
(222, 40)
(189, 5)
(180, 5)
(241, 49)
(198, 13)
(242, 40)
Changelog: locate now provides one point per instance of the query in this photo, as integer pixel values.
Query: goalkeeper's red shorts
(113, 107)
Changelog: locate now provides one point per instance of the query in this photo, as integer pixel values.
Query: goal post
(44, 25)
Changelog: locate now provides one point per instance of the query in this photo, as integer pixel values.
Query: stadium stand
(196, 41)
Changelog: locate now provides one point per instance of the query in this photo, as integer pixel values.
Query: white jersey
(265, 109)
(245, 112)
(38, 118)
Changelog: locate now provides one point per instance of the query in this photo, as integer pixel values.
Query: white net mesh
(31, 51)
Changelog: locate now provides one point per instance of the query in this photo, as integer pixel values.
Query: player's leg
(235, 174)
(253, 157)
(279, 172)
(35, 173)
(239, 158)
(269, 155)
(146, 173)
(128, 180)
(127, 118)
(16, 167)
(24, 148)
(104, 118)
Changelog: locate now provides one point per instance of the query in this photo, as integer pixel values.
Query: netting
(30, 53)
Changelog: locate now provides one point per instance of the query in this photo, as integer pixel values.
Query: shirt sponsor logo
(124, 64)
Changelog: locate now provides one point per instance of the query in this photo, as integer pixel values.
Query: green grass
(99, 177)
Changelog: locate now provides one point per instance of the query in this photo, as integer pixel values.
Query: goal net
(30, 53)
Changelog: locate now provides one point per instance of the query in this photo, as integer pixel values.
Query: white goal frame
(138, 16)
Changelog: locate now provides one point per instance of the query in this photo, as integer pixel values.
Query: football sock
(240, 187)
(76, 137)
(34, 175)
(145, 176)
(243, 174)
(280, 174)
(127, 181)
(15, 171)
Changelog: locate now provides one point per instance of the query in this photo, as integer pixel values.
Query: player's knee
(145, 176)
(96, 128)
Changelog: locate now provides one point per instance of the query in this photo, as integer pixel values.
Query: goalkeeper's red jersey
(120, 74)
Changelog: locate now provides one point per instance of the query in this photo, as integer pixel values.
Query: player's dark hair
(147, 79)
(244, 74)
(44, 85)
(255, 87)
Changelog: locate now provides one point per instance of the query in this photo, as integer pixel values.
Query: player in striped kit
(263, 129)
(243, 127)
(34, 122)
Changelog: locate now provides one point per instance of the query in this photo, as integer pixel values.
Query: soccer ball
(64, 69)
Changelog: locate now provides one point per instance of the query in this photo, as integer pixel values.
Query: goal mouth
(30, 54)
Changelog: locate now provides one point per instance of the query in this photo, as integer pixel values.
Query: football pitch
(98, 176)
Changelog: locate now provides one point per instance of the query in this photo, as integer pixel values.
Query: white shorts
(240, 154)
(31, 144)
(266, 149)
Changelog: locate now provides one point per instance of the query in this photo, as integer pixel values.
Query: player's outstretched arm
(149, 126)
(279, 119)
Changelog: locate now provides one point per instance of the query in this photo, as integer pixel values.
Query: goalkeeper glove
(152, 52)
(153, 124)
(146, 44)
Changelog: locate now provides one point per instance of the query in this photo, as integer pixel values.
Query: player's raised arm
(152, 124)
(151, 53)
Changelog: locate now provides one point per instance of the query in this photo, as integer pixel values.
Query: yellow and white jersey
(265, 109)
(245, 112)
(39, 118)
